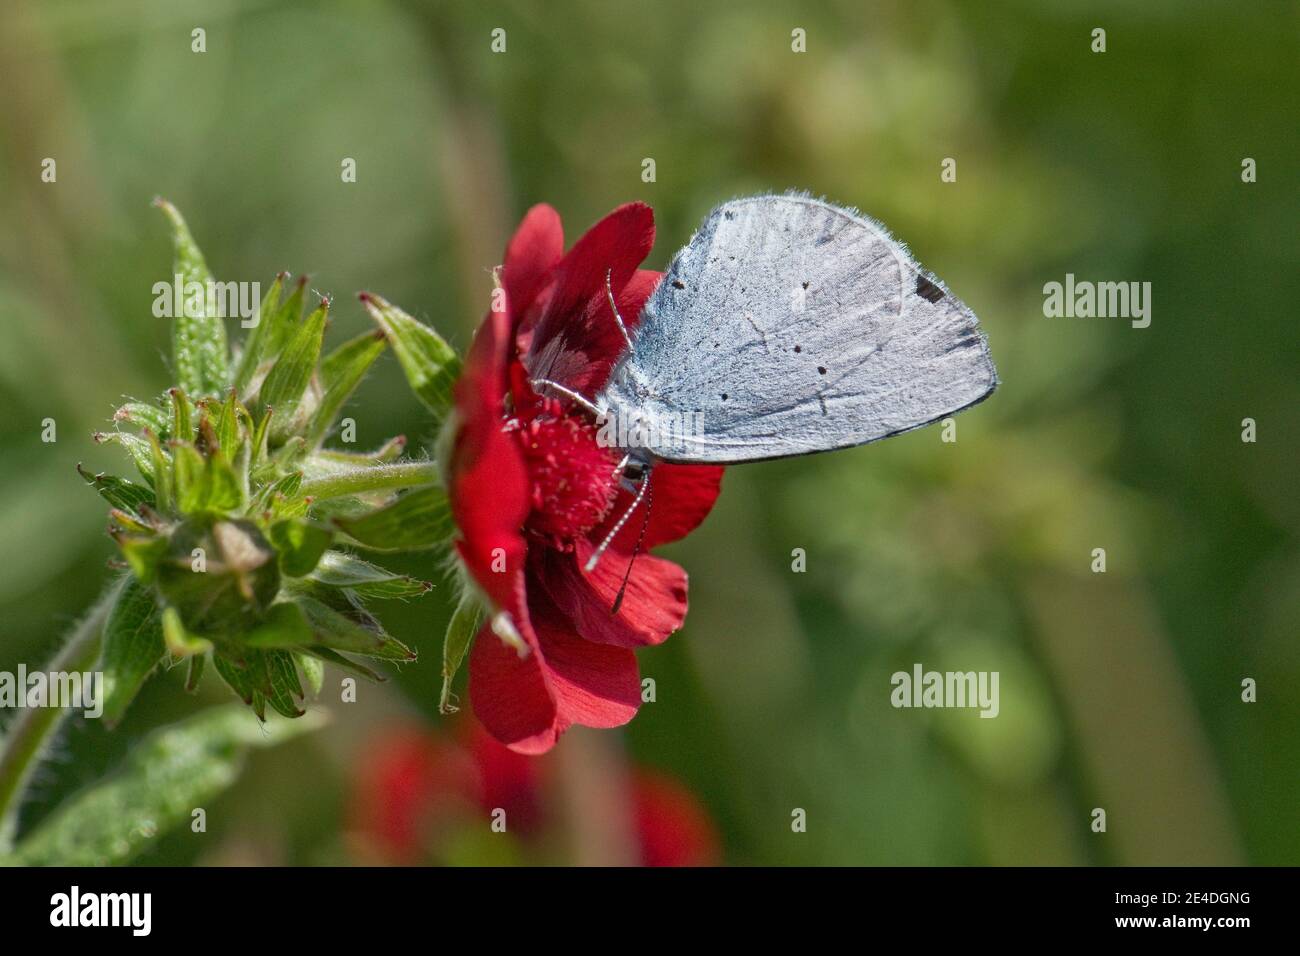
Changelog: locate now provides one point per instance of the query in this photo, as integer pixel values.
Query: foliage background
(1119, 690)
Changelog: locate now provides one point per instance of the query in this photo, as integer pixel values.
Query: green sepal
(137, 447)
(164, 487)
(430, 364)
(300, 545)
(284, 625)
(182, 418)
(118, 492)
(179, 642)
(414, 521)
(323, 653)
(226, 426)
(255, 345)
(195, 673)
(341, 570)
(288, 379)
(143, 553)
(142, 415)
(339, 632)
(199, 351)
(461, 629)
(313, 670)
(340, 373)
(205, 485)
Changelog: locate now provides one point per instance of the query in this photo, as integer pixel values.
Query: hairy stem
(33, 728)
(377, 478)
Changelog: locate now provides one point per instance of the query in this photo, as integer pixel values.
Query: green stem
(33, 728)
(378, 478)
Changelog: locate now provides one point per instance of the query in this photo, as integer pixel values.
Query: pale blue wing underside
(792, 326)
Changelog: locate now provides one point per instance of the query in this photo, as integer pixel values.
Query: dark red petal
(595, 685)
(488, 485)
(512, 695)
(654, 604)
(528, 702)
(532, 254)
(616, 244)
(680, 497)
(586, 370)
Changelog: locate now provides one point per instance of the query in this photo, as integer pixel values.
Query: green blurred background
(1119, 690)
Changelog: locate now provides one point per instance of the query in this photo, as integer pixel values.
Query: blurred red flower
(533, 493)
(413, 788)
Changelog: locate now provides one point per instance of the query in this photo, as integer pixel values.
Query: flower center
(573, 480)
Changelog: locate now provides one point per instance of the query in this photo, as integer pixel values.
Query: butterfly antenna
(586, 403)
(642, 487)
(645, 523)
(609, 291)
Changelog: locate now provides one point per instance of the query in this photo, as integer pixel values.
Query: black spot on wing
(927, 289)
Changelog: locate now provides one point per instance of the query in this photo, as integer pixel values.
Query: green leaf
(288, 379)
(418, 519)
(300, 545)
(340, 373)
(341, 570)
(118, 492)
(431, 365)
(199, 352)
(155, 789)
(341, 633)
(133, 646)
(464, 624)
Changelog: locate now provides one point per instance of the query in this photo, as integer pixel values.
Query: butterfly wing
(792, 326)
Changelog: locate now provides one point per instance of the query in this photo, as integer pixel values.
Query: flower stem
(33, 728)
(377, 478)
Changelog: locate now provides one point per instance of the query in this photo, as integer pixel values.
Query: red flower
(409, 786)
(533, 493)
(672, 826)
